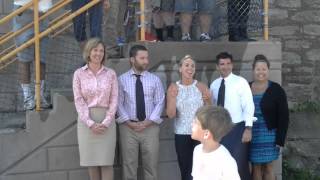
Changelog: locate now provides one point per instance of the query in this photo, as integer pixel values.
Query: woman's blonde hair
(185, 58)
(92, 43)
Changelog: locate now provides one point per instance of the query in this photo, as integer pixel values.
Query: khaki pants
(148, 143)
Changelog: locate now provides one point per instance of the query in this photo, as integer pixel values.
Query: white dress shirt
(238, 98)
(44, 5)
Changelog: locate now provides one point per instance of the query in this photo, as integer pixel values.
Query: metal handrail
(50, 29)
(11, 35)
(37, 52)
(16, 12)
(266, 20)
(142, 20)
(5, 59)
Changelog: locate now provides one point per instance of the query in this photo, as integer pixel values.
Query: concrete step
(12, 120)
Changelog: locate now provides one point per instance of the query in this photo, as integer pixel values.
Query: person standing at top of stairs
(27, 55)
(95, 20)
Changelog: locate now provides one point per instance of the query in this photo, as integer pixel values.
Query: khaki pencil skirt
(96, 150)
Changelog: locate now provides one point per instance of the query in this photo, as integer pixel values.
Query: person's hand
(146, 123)
(97, 128)
(247, 135)
(136, 126)
(206, 96)
(132, 125)
(143, 125)
(173, 91)
(106, 4)
(280, 148)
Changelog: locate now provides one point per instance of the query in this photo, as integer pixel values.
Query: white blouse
(189, 99)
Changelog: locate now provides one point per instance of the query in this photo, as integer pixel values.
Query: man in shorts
(27, 55)
(163, 18)
(186, 9)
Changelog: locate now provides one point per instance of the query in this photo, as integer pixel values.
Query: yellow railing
(142, 20)
(9, 53)
(266, 19)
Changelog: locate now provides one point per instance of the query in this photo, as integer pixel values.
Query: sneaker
(204, 37)
(29, 103)
(186, 37)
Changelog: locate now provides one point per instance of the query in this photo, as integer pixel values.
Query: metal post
(142, 21)
(37, 52)
(49, 30)
(10, 35)
(266, 20)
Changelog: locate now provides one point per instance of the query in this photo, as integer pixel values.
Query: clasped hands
(98, 128)
(139, 126)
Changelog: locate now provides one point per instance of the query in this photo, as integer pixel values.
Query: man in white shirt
(233, 93)
(27, 55)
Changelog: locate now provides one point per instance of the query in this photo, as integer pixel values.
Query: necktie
(221, 94)
(140, 104)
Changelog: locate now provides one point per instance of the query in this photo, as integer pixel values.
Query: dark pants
(238, 150)
(184, 148)
(237, 19)
(79, 22)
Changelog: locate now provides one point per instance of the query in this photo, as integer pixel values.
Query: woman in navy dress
(269, 131)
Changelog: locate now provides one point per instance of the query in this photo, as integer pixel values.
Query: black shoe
(234, 38)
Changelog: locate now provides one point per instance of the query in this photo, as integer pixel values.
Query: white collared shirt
(44, 5)
(238, 98)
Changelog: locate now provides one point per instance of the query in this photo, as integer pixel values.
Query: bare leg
(107, 173)
(268, 172)
(256, 172)
(42, 71)
(205, 22)
(168, 18)
(158, 24)
(24, 75)
(82, 45)
(94, 173)
(185, 20)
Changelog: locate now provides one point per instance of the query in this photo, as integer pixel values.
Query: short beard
(139, 68)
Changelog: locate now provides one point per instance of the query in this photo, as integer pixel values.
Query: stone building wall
(296, 23)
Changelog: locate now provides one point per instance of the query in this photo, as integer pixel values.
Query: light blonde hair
(92, 43)
(186, 57)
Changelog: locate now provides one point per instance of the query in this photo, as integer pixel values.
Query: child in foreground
(211, 160)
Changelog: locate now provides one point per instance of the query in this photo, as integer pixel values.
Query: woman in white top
(183, 99)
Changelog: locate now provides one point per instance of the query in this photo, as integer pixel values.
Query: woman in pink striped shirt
(95, 89)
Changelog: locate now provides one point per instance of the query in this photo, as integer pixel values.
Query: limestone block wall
(296, 23)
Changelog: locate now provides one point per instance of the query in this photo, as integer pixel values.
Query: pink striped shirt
(153, 96)
(100, 90)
